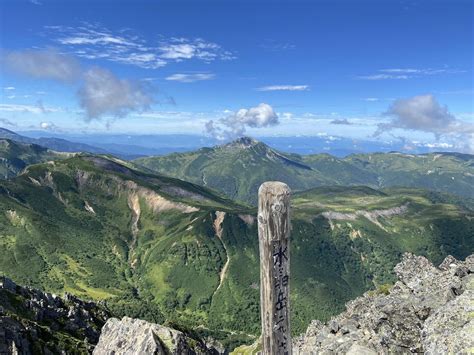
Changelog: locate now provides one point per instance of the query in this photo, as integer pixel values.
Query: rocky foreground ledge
(36, 322)
(429, 310)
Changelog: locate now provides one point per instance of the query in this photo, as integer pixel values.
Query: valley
(165, 250)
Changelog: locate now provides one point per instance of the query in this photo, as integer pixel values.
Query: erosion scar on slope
(218, 228)
(134, 205)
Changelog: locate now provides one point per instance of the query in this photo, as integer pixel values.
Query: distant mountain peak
(243, 142)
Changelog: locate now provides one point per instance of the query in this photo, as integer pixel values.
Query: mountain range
(174, 239)
(237, 169)
(159, 248)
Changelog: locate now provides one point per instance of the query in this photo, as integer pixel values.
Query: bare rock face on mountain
(428, 310)
(36, 322)
(135, 336)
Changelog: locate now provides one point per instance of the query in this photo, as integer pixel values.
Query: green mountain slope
(159, 248)
(14, 156)
(238, 168)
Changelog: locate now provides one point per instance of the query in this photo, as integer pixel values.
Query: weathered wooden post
(273, 235)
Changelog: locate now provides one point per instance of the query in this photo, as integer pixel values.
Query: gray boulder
(134, 336)
(429, 310)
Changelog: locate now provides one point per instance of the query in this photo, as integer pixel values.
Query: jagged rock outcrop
(36, 322)
(135, 336)
(429, 310)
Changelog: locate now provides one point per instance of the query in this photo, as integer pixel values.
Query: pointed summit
(243, 142)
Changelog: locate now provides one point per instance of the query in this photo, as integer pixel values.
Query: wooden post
(273, 235)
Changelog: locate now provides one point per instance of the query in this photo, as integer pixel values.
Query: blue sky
(364, 69)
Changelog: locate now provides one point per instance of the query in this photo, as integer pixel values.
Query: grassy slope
(238, 169)
(171, 267)
(14, 156)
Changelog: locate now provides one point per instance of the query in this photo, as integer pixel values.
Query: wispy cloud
(93, 41)
(383, 77)
(7, 122)
(43, 64)
(36, 109)
(407, 73)
(276, 46)
(341, 121)
(9, 88)
(284, 88)
(190, 78)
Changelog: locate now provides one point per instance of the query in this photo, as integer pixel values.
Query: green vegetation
(14, 156)
(237, 169)
(147, 244)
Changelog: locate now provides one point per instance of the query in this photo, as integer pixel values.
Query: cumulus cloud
(104, 93)
(190, 78)
(284, 88)
(424, 113)
(236, 124)
(100, 91)
(43, 64)
(49, 126)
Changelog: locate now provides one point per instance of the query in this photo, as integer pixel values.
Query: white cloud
(235, 125)
(284, 88)
(94, 41)
(39, 108)
(426, 71)
(383, 77)
(371, 99)
(49, 126)
(43, 64)
(407, 73)
(9, 88)
(423, 113)
(190, 78)
(104, 93)
(185, 48)
(438, 145)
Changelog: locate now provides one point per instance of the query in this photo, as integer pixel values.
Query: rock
(450, 329)
(135, 336)
(32, 321)
(428, 310)
(357, 349)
